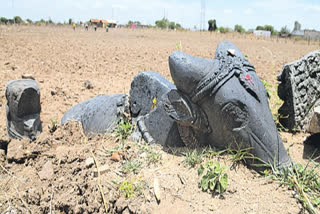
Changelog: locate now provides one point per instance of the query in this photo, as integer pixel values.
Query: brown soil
(51, 174)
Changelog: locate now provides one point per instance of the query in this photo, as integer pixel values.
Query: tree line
(164, 23)
(238, 28)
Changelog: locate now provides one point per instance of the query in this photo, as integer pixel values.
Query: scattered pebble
(27, 76)
(116, 157)
(87, 84)
(89, 162)
(102, 169)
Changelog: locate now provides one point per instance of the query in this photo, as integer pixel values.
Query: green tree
(212, 25)
(3, 20)
(50, 21)
(284, 31)
(222, 30)
(163, 23)
(269, 28)
(259, 27)
(70, 21)
(29, 21)
(239, 29)
(18, 20)
(172, 25)
(297, 26)
(178, 26)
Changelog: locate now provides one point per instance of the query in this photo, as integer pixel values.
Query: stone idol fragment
(300, 90)
(100, 114)
(23, 109)
(223, 103)
(147, 109)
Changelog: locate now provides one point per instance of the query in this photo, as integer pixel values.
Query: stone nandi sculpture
(222, 102)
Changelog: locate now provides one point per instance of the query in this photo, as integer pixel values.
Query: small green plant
(267, 86)
(304, 180)
(131, 166)
(214, 180)
(130, 189)
(179, 46)
(124, 129)
(153, 156)
(53, 125)
(210, 152)
(193, 157)
(239, 154)
(127, 188)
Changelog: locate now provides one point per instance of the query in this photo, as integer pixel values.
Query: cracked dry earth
(54, 173)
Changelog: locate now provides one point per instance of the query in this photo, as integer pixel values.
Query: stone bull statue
(222, 102)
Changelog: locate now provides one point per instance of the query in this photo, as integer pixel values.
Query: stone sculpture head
(225, 103)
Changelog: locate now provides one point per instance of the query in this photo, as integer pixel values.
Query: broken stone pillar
(300, 90)
(98, 115)
(23, 109)
(147, 109)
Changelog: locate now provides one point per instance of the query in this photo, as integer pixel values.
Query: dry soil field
(50, 174)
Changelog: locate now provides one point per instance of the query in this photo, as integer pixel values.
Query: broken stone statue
(23, 109)
(148, 112)
(222, 102)
(300, 90)
(100, 114)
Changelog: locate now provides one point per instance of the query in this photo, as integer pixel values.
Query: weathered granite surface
(100, 114)
(300, 91)
(23, 109)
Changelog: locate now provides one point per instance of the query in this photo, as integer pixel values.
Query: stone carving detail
(300, 91)
(222, 102)
(23, 109)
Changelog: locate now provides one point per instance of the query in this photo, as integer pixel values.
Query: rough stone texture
(300, 90)
(147, 109)
(315, 121)
(144, 88)
(23, 109)
(100, 114)
(222, 102)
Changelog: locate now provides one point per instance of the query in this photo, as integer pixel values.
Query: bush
(18, 20)
(239, 29)
(3, 20)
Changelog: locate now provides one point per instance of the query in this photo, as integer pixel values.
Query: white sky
(248, 13)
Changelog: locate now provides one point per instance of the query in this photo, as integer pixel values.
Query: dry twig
(51, 198)
(12, 175)
(24, 203)
(99, 184)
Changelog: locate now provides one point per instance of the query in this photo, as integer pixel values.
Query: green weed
(130, 189)
(214, 179)
(131, 166)
(193, 157)
(239, 154)
(304, 180)
(267, 86)
(53, 125)
(124, 129)
(127, 188)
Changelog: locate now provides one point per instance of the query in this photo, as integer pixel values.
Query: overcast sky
(248, 13)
